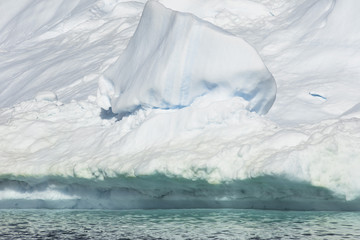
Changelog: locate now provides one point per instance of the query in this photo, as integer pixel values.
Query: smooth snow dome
(173, 58)
(59, 149)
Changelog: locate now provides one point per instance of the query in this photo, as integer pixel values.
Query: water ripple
(177, 224)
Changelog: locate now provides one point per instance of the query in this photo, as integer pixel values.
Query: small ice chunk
(46, 96)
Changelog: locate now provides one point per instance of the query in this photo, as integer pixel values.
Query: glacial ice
(173, 58)
(58, 149)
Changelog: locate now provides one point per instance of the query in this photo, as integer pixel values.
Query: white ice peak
(174, 57)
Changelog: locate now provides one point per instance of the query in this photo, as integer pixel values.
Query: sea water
(178, 224)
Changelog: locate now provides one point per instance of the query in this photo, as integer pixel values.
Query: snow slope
(69, 45)
(58, 149)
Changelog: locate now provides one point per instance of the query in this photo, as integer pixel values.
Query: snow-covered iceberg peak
(174, 57)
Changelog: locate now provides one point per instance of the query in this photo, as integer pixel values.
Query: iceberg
(191, 144)
(174, 58)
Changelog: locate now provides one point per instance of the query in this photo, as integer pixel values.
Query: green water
(178, 224)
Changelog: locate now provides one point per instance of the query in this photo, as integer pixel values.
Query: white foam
(9, 194)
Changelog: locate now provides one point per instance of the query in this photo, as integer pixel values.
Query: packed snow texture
(173, 58)
(59, 149)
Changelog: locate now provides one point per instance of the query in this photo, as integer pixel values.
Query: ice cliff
(174, 57)
(193, 142)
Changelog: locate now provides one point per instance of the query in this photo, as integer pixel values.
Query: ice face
(59, 150)
(173, 58)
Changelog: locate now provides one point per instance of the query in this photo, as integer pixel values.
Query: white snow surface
(52, 54)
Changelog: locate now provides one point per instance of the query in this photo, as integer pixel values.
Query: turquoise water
(163, 192)
(178, 224)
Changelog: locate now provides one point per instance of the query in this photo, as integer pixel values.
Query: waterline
(178, 224)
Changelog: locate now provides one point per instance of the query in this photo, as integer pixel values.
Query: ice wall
(57, 150)
(173, 58)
